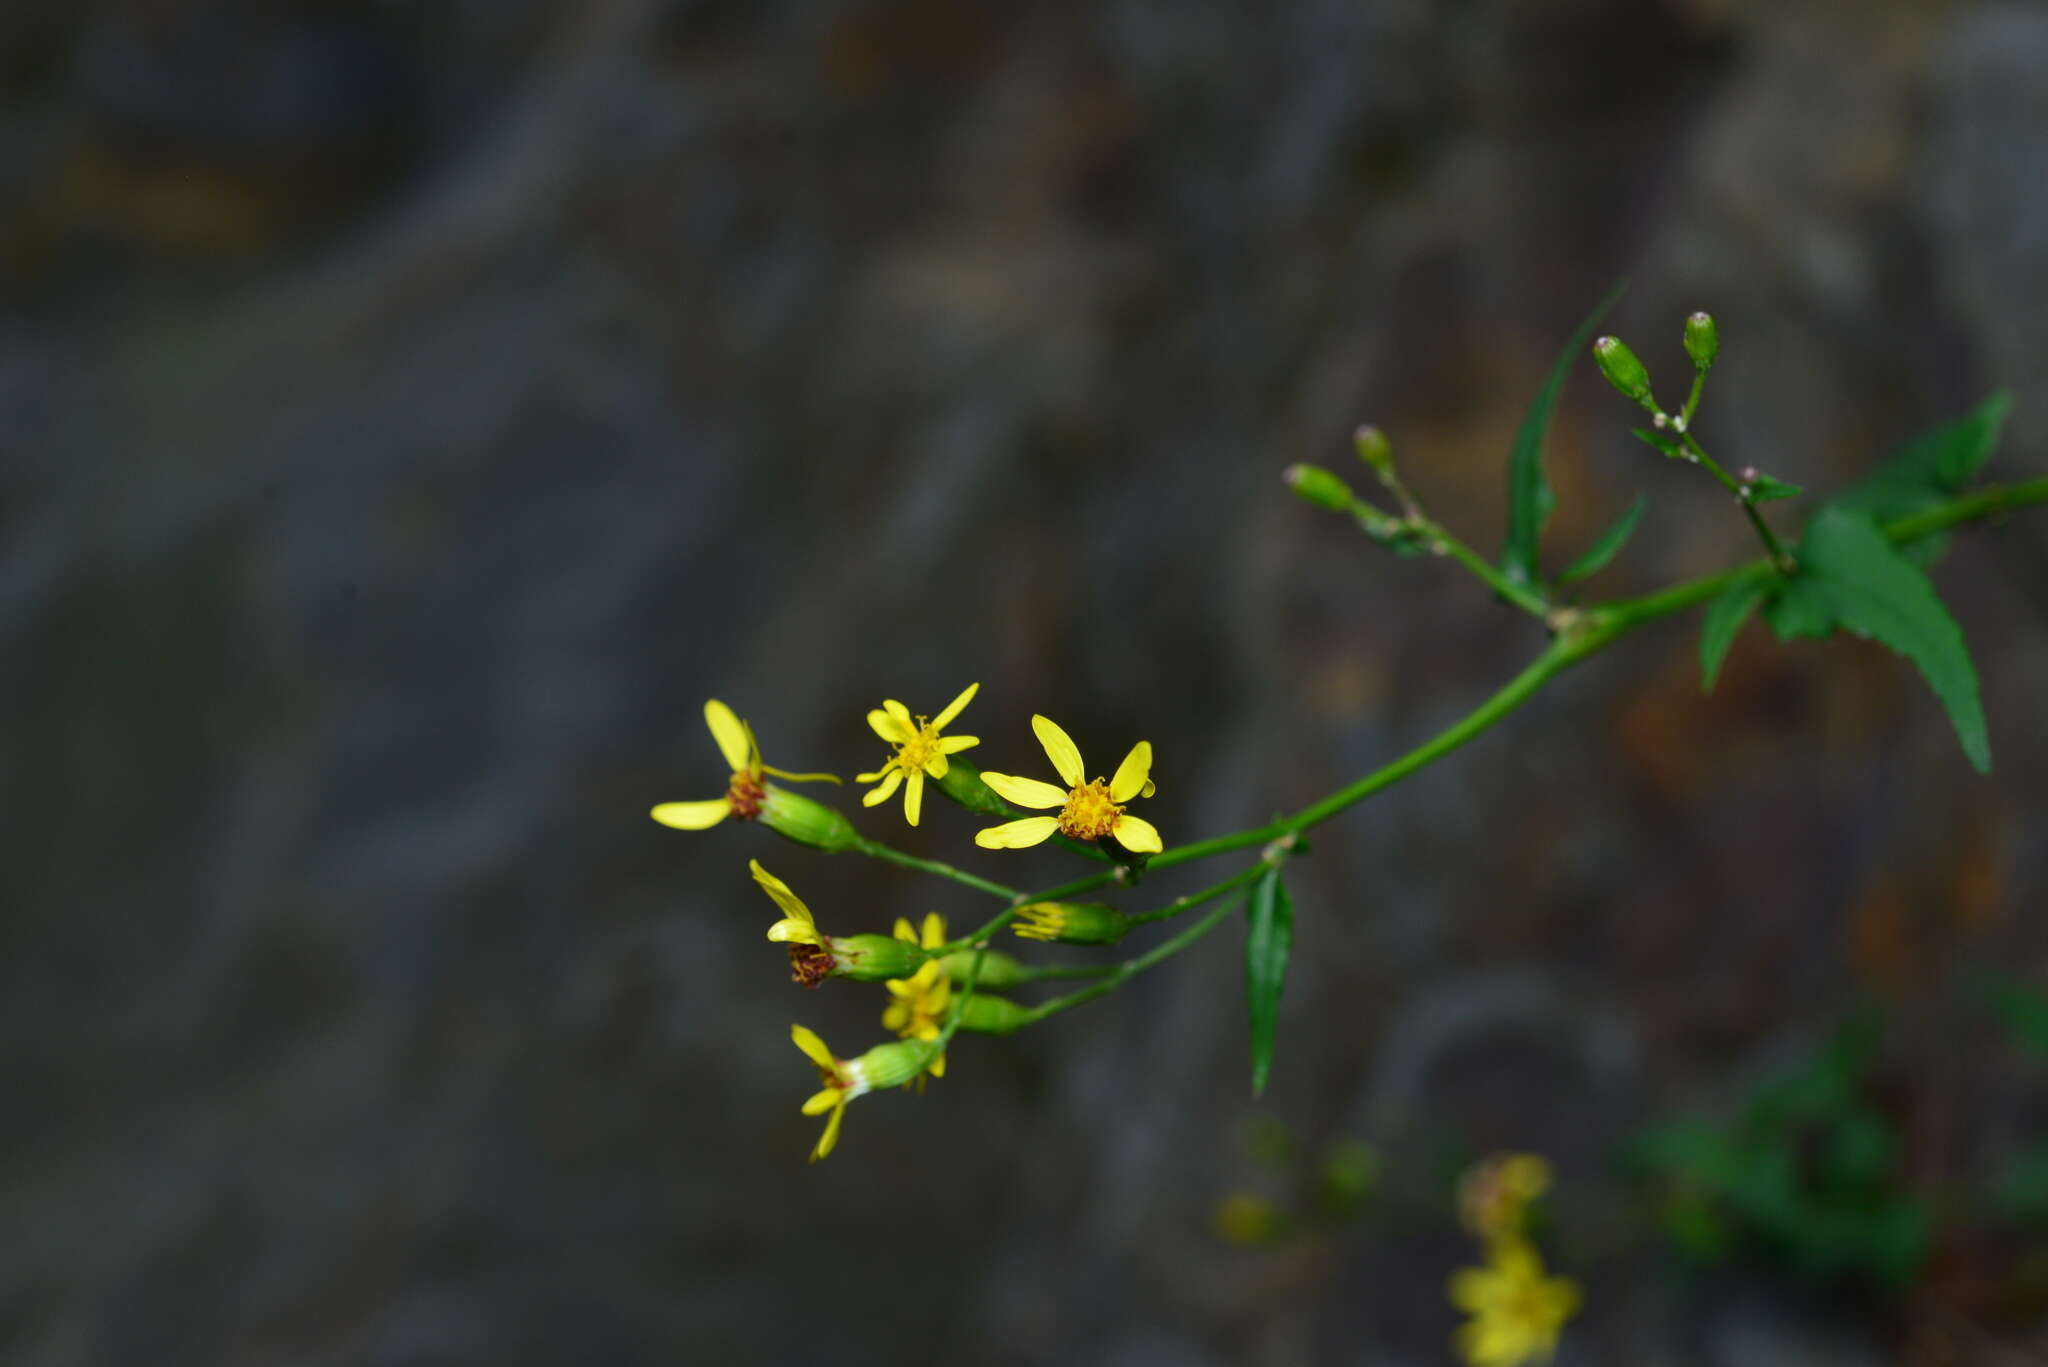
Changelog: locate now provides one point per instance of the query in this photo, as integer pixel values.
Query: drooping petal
(889, 728)
(814, 1048)
(877, 796)
(953, 745)
(793, 931)
(791, 904)
(830, 1138)
(903, 930)
(1025, 792)
(1061, 750)
(1017, 835)
(938, 1066)
(934, 930)
(913, 797)
(730, 733)
(955, 707)
(693, 816)
(935, 764)
(821, 1102)
(896, 1016)
(875, 777)
(1133, 774)
(797, 778)
(1149, 789)
(1137, 835)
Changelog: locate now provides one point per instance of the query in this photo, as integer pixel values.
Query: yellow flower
(920, 750)
(918, 1010)
(746, 792)
(810, 950)
(1494, 1196)
(1088, 811)
(885, 1065)
(1517, 1312)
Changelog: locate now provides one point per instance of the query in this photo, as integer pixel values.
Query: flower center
(1089, 813)
(809, 964)
(919, 749)
(746, 795)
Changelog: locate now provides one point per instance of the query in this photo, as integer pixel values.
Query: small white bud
(1661, 419)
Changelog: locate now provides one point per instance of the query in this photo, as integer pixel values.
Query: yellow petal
(934, 930)
(1133, 774)
(813, 1047)
(1470, 1288)
(903, 930)
(902, 989)
(938, 1067)
(795, 932)
(953, 745)
(1025, 792)
(889, 728)
(730, 733)
(913, 797)
(760, 769)
(901, 714)
(830, 1138)
(1137, 835)
(821, 1102)
(877, 796)
(791, 904)
(1061, 750)
(692, 816)
(928, 1032)
(1149, 789)
(754, 765)
(1016, 835)
(896, 1016)
(935, 764)
(954, 708)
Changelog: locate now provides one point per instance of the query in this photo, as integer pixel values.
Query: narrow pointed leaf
(1667, 445)
(1769, 490)
(1607, 547)
(1268, 942)
(1530, 498)
(1725, 616)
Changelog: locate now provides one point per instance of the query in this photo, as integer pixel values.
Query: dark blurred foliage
(413, 411)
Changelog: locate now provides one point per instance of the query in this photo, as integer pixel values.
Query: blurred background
(411, 412)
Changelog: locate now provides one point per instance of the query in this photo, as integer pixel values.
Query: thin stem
(1131, 968)
(1521, 595)
(876, 849)
(1195, 899)
(1692, 400)
(1045, 973)
(1746, 496)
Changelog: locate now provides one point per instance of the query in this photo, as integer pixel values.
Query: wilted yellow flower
(1494, 1196)
(1088, 810)
(810, 951)
(746, 792)
(1517, 1312)
(885, 1065)
(920, 750)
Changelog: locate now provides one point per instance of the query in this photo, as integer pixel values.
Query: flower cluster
(1517, 1310)
(934, 986)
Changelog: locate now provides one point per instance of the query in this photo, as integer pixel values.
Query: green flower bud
(891, 1065)
(997, 968)
(798, 818)
(1071, 923)
(1622, 369)
(993, 1015)
(1320, 487)
(1374, 449)
(963, 784)
(1702, 341)
(872, 958)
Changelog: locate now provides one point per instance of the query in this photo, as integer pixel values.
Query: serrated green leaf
(1725, 616)
(1607, 546)
(1852, 577)
(1267, 945)
(1767, 490)
(1928, 470)
(1530, 497)
(1668, 445)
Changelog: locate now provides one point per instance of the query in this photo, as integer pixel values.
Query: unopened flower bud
(1702, 341)
(1374, 449)
(997, 968)
(993, 1015)
(963, 784)
(1622, 369)
(873, 958)
(1320, 487)
(807, 822)
(1071, 923)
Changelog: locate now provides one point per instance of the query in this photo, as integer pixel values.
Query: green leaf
(1530, 497)
(1851, 576)
(1927, 471)
(1725, 616)
(1767, 490)
(1668, 445)
(1266, 948)
(1611, 541)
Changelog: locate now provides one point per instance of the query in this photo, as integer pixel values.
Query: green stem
(1195, 899)
(1747, 498)
(876, 849)
(1045, 973)
(1521, 595)
(1131, 968)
